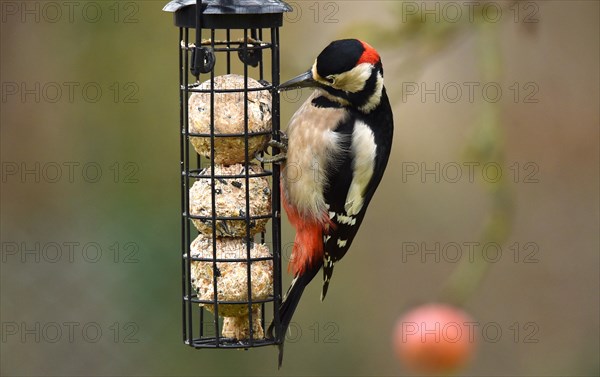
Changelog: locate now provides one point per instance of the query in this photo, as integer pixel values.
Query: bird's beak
(304, 80)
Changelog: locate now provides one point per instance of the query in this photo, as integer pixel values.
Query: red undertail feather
(308, 245)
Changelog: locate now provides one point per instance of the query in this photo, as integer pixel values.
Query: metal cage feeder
(232, 41)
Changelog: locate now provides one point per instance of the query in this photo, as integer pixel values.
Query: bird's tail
(290, 303)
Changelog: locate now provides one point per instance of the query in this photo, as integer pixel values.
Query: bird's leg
(282, 145)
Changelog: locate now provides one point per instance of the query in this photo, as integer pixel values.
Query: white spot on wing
(363, 151)
(346, 220)
(341, 243)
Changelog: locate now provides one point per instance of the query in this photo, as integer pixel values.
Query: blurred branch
(485, 146)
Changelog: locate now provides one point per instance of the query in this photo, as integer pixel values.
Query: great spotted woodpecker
(338, 147)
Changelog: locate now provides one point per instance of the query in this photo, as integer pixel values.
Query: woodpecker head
(348, 71)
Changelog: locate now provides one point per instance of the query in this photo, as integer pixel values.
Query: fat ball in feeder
(230, 201)
(232, 281)
(229, 118)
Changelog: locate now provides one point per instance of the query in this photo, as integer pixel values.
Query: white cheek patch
(363, 151)
(375, 98)
(355, 79)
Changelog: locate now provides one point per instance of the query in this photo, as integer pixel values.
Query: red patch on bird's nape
(369, 55)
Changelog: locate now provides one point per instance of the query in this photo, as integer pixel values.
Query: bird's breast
(313, 146)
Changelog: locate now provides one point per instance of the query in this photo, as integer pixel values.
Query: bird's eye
(330, 79)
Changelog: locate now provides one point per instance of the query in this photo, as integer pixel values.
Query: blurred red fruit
(434, 338)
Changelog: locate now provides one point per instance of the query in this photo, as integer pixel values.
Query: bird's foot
(281, 145)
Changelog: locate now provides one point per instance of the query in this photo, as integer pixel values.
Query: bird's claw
(283, 137)
(281, 144)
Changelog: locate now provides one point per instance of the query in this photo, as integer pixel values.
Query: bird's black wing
(338, 240)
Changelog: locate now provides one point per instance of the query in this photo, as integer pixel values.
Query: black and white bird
(338, 147)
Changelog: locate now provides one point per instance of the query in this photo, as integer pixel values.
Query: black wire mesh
(201, 328)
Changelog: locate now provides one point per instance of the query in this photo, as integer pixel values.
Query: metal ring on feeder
(203, 59)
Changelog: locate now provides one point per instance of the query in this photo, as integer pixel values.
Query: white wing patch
(363, 151)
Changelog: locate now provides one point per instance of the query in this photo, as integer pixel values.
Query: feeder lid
(230, 14)
(232, 6)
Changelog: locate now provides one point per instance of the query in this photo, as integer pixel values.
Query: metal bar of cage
(182, 140)
(185, 171)
(198, 174)
(212, 179)
(262, 165)
(276, 221)
(194, 90)
(247, 193)
(262, 46)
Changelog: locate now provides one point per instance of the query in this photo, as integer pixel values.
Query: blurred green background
(90, 230)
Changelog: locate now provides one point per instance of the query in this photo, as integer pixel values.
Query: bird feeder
(229, 110)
